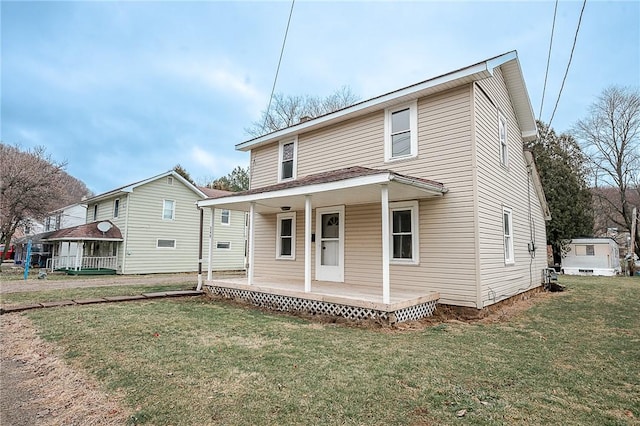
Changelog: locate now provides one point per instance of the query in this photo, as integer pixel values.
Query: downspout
(126, 234)
(476, 203)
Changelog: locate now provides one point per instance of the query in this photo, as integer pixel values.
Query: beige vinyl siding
(444, 155)
(500, 187)
(234, 233)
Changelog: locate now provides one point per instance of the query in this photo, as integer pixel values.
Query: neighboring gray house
(151, 226)
(592, 256)
(422, 194)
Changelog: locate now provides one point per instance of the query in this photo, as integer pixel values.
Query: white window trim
(415, 231)
(413, 127)
(295, 158)
(508, 260)
(173, 210)
(223, 248)
(116, 202)
(175, 243)
(504, 158)
(280, 216)
(228, 222)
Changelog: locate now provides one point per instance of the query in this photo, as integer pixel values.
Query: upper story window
(507, 226)
(502, 135)
(168, 209)
(95, 212)
(401, 132)
(287, 159)
(286, 243)
(170, 180)
(116, 207)
(58, 221)
(225, 217)
(404, 232)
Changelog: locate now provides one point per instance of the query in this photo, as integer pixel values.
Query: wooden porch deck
(330, 298)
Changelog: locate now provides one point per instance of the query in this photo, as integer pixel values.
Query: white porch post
(210, 254)
(307, 243)
(252, 207)
(386, 296)
(79, 255)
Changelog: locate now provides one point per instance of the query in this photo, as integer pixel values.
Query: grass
(572, 359)
(24, 298)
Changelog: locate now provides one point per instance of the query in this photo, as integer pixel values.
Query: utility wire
(568, 65)
(273, 88)
(546, 74)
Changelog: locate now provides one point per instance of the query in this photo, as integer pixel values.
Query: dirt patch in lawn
(38, 387)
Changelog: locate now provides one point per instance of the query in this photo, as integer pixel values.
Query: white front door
(330, 244)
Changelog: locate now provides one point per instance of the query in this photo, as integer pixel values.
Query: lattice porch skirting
(317, 307)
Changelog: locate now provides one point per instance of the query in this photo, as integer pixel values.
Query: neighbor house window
(169, 180)
(585, 250)
(169, 244)
(507, 226)
(404, 232)
(95, 212)
(116, 207)
(286, 244)
(225, 217)
(401, 132)
(168, 209)
(502, 135)
(288, 158)
(58, 221)
(223, 245)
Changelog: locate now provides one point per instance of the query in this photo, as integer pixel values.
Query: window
(95, 212)
(401, 132)
(169, 180)
(223, 245)
(585, 250)
(116, 207)
(225, 217)
(166, 244)
(502, 135)
(168, 209)
(288, 159)
(507, 226)
(286, 244)
(404, 232)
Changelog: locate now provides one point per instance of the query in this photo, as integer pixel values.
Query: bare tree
(286, 111)
(610, 136)
(31, 184)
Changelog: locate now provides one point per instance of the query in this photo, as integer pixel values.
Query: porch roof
(87, 232)
(349, 186)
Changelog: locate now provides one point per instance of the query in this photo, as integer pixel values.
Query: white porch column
(79, 255)
(307, 243)
(386, 296)
(210, 259)
(252, 208)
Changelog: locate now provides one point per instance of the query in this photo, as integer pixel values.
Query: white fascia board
(537, 185)
(419, 184)
(476, 72)
(81, 239)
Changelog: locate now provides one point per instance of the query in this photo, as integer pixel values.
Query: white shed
(592, 256)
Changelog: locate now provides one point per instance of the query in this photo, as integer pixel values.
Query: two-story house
(151, 226)
(422, 194)
(65, 217)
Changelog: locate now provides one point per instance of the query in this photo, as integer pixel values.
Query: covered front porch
(316, 282)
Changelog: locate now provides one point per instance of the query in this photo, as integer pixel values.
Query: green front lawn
(574, 358)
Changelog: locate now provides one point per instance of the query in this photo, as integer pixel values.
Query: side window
(225, 217)
(507, 226)
(502, 136)
(95, 212)
(223, 245)
(401, 132)
(287, 157)
(165, 244)
(168, 209)
(286, 236)
(116, 207)
(404, 232)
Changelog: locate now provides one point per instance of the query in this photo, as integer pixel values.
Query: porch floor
(331, 293)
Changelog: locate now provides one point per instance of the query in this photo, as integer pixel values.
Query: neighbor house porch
(381, 209)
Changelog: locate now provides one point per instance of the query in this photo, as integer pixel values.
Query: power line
(273, 88)
(544, 87)
(568, 65)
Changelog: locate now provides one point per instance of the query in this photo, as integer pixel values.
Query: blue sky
(126, 90)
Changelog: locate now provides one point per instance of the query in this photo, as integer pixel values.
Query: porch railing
(69, 262)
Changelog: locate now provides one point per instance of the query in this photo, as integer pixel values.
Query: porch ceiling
(361, 188)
